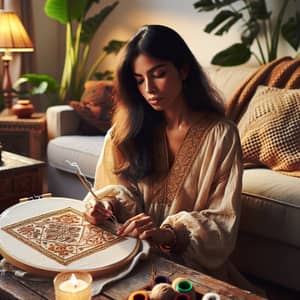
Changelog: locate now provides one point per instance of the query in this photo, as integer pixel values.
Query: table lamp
(13, 38)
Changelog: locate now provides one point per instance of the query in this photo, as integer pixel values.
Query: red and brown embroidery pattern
(63, 235)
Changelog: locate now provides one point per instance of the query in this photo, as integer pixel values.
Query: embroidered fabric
(98, 284)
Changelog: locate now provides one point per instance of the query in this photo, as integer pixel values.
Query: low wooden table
(24, 136)
(20, 176)
(13, 288)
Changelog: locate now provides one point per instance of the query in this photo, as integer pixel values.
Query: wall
(124, 21)
(48, 41)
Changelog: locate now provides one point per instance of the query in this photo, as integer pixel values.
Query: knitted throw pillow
(95, 107)
(270, 130)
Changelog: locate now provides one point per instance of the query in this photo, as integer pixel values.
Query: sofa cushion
(95, 107)
(84, 150)
(271, 205)
(269, 130)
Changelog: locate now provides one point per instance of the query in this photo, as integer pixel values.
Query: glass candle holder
(73, 286)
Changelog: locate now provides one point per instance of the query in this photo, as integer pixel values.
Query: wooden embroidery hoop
(108, 261)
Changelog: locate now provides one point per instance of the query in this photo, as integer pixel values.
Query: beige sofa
(268, 245)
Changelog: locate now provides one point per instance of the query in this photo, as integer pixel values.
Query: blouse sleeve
(126, 198)
(207, 236)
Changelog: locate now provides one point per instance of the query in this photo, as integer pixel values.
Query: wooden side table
(24, 136)
(20, 176)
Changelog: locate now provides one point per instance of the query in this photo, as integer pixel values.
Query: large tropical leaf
(114, 46)
(258, 10)
(291, 31)
(234, 55)
(209, 5)
(91, 25)
(221, 17)
(251, 31)
(64, 11)
(225, 28)
(90, 3)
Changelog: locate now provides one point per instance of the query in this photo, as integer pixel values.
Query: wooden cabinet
(24, 136)
(19, 177)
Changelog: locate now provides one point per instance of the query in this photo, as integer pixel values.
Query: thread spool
(162, 291)
(182, 296)
(176, 280)
(184, 286)
(211, 296)
(161, 279)
(139, 295)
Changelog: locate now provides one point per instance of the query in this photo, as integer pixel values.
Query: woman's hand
(98, 213)
(141, 226)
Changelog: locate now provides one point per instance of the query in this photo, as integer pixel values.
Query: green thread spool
(139, 295)
(176, 280)
(184, 286)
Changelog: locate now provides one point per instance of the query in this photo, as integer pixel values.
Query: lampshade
(13, 36)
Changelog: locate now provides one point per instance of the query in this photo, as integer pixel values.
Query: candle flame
(74, 280)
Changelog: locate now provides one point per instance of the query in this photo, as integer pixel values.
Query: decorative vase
(23, 108)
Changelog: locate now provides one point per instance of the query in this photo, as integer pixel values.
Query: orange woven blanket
(283, 72)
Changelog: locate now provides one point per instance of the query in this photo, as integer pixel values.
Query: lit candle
(73, 286)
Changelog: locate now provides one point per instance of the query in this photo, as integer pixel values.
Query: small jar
(23, 108)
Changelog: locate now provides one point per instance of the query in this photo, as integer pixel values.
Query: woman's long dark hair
(134, 119)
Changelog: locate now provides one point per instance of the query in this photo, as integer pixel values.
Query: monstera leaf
(254, 19)
(236, 54)
(227, 16)
(291, 31)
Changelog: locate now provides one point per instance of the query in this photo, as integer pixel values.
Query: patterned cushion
(95, 107)
(270, 130)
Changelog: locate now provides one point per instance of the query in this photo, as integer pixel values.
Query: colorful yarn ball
(162, 291)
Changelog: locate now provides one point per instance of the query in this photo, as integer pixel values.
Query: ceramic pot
(23, 108)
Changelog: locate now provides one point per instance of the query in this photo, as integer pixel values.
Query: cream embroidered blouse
(199, 196)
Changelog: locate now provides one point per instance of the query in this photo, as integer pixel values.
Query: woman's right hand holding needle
(97, 214)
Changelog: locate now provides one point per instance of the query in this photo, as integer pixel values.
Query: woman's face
(158, 81)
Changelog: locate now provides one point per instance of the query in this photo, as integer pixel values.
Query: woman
(171, 166)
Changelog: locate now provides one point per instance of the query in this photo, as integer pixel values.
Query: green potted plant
(29, 85)
(257, 27)
(80, 31)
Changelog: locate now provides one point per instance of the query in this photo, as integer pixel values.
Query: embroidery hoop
(108, 261)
